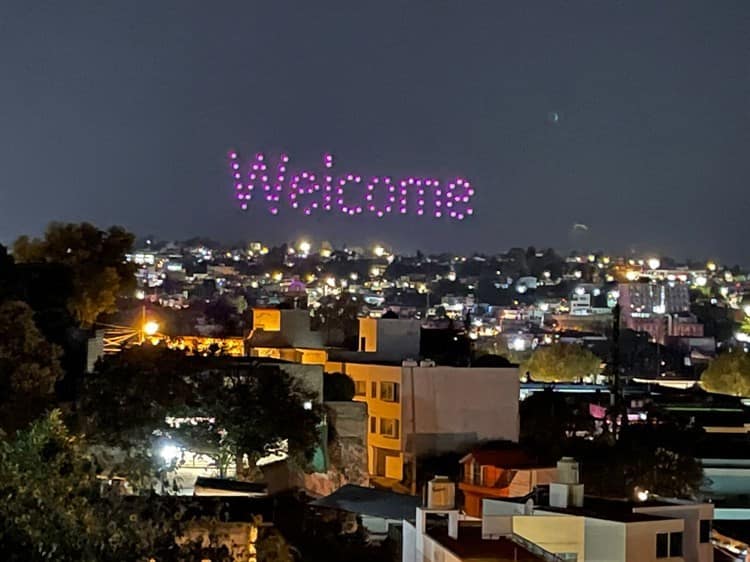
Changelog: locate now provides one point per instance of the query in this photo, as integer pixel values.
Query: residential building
(657, 298)
(568, 526)
(389, 339)
(497, 472)
(414, 410)
(285, 334)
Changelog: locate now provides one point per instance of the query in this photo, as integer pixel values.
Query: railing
(545, 554)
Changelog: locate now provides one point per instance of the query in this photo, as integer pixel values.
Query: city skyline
(628, 118)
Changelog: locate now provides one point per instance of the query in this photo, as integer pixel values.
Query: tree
(96, 259)
(729, 373)
(338, 317)
(263, 411)
(242, 411)
(29, 366)
(57, 508)
(561, 363)
(338, 387)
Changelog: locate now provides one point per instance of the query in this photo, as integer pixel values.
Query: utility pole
(413, 435)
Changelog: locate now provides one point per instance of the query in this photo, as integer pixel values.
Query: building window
(705, 530)
(373, 389)
(476, 473)
(362, 344)
(675, 544)
(360, 388)
(662, 545)
(389, 427)
(373, 424)
(389, 391)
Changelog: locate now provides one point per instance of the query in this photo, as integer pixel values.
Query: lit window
(389, 427)
(373, 390)
(373, 424)
(389, 391)
(476, 473)
(360, 388)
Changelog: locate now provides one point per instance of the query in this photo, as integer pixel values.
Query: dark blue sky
(122, 112)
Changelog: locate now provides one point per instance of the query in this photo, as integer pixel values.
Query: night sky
(123, 112)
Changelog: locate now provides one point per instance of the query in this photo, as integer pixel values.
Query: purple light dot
(295, 204)
(411, 181)
(239, 186)
(255, 167)
(403, 210)
(233, 155)
(470, 211)
(284, 158)
(371, 208)
(438, 214)
(453, 214)
(470, 192)
(235, 166)
(244, 207)
(350, 177)
(449, 204)
(259, 157)
(459, 181)
(420, 212)
(465, 199)
(304, 174)
(420, 203)
(239, 196)
(237, 176)
(308, 211)
(438, 203)
(380, 214)
(274, 211)
(351, 212)
(460, 217)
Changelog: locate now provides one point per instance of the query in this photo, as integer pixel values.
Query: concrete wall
(310, 376)
(693, 550)
(478, 404)
(640, 539)
(389, 339)
(605, 540)
(349, 452)
(554, 533)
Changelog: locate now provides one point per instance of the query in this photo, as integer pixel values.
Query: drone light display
(348, 193)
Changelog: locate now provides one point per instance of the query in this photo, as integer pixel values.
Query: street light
(150, 328)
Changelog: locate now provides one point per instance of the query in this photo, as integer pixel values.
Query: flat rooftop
(612, 510)
(471, 546)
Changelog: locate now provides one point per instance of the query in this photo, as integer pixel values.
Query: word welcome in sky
(310, 191)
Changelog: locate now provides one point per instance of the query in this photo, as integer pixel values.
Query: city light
(654, 263)
(642, 495)
(304, 247)
(746, 309)
(169, 453)
(379, 251)
(150, 328)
